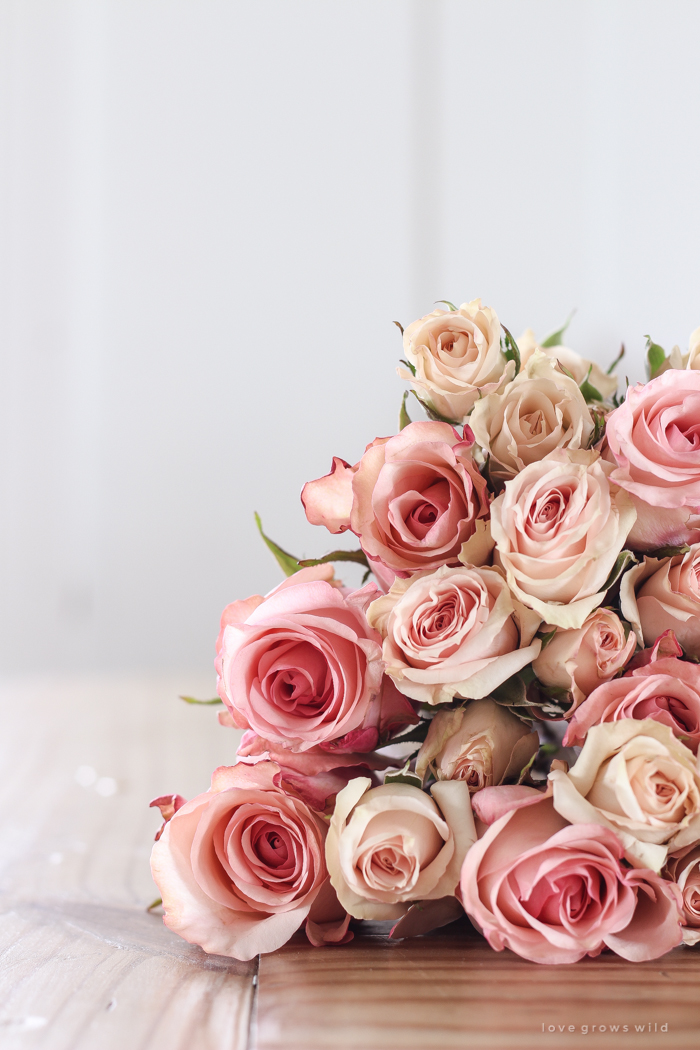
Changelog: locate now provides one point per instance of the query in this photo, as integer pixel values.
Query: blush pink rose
(302, 667)
(667, 690)
(654, 437)
(414, 501)
(578, 661)
(241, 867)
(554, 892)
(662, 594)
(684, 869)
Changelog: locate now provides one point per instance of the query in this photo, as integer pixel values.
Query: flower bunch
(506, 720)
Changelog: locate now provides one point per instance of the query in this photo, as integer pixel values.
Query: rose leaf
(555, 338)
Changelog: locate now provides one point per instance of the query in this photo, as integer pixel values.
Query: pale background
(210, 215)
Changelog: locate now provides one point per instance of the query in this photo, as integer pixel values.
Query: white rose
(580, 368)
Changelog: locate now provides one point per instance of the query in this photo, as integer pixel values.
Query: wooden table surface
(84, 967)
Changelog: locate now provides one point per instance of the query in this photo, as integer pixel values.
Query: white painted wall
(211, 212)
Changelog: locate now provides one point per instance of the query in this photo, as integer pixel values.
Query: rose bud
(559, 527)
(653, 440)
(578, 661)
(393, 844)
(541, 410)
(555, 892)
(639, 780)
(482, 744)
(457, 358)
(664, 594)
(241, 866)
(579, 367)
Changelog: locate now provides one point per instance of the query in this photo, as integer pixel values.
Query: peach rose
(578, 661)
(541, 410)
(457, 357)
(390, 845)
(302, 667)
(580, 367)
(684, 869)
(554, 892)
(482, 744)
(559, 527)
(413, 500)
(662, 594)
(240, 867)
(667, 690)
(654, 437)
(639, 780)
(453, 632)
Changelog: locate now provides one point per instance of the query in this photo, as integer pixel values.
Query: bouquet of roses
(505, 721)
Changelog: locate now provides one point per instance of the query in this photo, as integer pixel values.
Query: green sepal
(399, 326)
(622, 563)
(431, 412)
(511, 351)
(404, 418)
(287, 562)
(617, 360)
(555, 338)
(669, 552)
(356, 556)
(415, 735)
(409, 366)
(404, 776)
(589, 391)
(447, 302)
(656, 357)
(599, 424)
(202, 703)
(155, 904)
(546, 638)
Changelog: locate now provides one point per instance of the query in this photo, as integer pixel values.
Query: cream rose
(559, 527)
(581, 660)
(580, 367)
(457, 356)
(693, 360)
(390, 845)
(453, 632)
(684, 870)
(482, 744)
(541, 410)
(664, 594)
(638, 779)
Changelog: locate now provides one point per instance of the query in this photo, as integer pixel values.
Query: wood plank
(451, 990)
(82, 965)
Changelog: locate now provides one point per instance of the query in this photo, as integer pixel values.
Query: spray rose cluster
(505, 720)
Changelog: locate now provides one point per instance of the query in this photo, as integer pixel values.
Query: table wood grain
(83, 966)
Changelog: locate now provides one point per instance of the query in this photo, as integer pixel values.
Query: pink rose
(554, 892)
(302, 667)
(578, 661)
(453, 632)
(667, 690)
(559, 527)
(654, 437)
(684, 869)
(241, 866)
(413, 500)
(663, 594)
(457, 358)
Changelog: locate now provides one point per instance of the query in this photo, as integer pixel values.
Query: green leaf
(287, 562)
(415, 735)
(404, 418)
(155, 904)
(588, 390)
(526, 769)
(617, 360)
(409, 366)
(669, 552)
(555, 338)
(204, 703)
(399, 326)
(546, 638)
(511, 352)
(599, 423)
(622, 563)
(447, 302)
(432, 413)
(656, 357)
(404, 776)
(357, 556)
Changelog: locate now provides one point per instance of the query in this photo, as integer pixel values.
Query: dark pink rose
(555, 892)
(302, 667)
(667, 690)
(654, 437)
(413, 500)
(241, 867)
